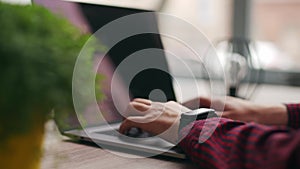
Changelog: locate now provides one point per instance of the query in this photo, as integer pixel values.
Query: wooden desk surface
(62, 154)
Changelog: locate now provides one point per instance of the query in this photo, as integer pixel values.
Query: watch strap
(194, 115)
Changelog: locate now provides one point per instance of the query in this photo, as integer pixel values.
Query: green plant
(38, 51)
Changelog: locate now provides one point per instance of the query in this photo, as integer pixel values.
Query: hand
(154, 117)
(239, 109)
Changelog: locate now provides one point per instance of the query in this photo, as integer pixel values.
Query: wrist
(172, 134)
(273, 115)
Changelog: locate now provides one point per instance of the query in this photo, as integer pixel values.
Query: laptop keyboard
(137, 133)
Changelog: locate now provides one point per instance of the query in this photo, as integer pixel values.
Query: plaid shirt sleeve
(236, 144)
(294, 115)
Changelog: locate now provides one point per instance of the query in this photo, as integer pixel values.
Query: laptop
(151, 83)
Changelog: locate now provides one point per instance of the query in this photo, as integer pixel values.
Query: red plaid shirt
(236, 144)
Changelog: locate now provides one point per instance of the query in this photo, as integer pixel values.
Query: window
(276, 24)
(273, 24)
(211, 17)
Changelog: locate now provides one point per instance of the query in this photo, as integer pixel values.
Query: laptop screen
(92, 17)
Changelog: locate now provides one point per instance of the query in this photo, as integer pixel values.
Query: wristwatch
(194, 115)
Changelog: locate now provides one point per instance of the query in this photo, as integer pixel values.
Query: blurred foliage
(38, 52)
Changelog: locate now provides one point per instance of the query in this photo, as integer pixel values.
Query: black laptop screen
(147, 80)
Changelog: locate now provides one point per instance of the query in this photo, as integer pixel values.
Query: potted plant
(38, 51)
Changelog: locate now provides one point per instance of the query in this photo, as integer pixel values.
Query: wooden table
(62, 153)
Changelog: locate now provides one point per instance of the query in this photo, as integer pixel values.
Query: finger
(143, 101)
(136, 109)
(133, 121)
(140, 106)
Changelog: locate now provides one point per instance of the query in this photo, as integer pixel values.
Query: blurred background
(273, 25)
